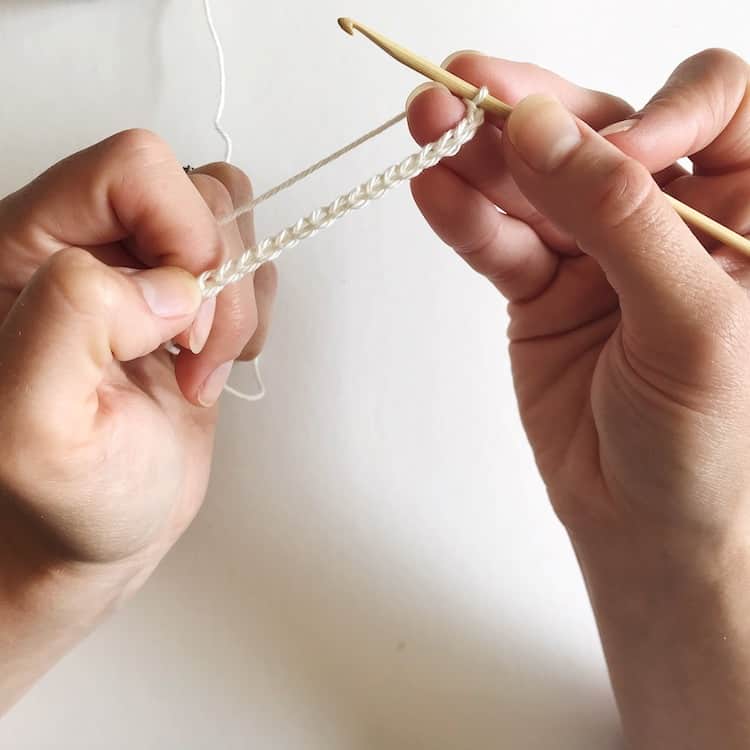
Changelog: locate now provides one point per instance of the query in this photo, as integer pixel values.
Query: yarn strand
(449, 144)
(261, 388)
(251, 204)
(222, 81)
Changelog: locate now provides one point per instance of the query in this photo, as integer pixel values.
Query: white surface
(383, 571)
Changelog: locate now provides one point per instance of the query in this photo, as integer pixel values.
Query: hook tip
(347, 25)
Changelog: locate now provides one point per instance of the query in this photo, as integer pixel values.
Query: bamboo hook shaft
(466, 90)
(457, 85)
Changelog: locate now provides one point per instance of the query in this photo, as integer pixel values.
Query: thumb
(77, 315)
(666, 282)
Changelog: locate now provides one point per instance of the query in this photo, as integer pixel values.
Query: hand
(628, 341)
(630, 347)
(106, 443)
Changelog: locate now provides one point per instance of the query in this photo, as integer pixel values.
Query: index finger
(128, 187)
(702, 111)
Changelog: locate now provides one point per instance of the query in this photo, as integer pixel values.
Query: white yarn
(212, 282)
(222, 81)
(449, 144)
(261, 388)
(258, 396)
(251, 204)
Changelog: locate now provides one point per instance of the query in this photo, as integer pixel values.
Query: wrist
(49, 603)
(673, 611)
(653, 555)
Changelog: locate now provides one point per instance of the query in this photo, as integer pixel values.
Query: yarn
(449, 144)
(212, 282)
(261, 388)
(251, 204)
(222, 81)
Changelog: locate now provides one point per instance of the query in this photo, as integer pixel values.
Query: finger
(725, 198)
(512, 81)
(129, 186)
(236, 319)
(74, 318)
(240, 191)
(668, 286)
(703, 111)
(238, 235)
(505, 250)
(239, 296)
(432, 110)
(266, 282)
(214, 344)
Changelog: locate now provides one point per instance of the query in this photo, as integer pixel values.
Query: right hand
(630, 347)
(630, 343)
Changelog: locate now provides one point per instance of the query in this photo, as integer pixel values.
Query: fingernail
(543, 132)
(422, 88)
(214, 384)
(168, 293)
(619, 127)
(448, 60)
(201, 327)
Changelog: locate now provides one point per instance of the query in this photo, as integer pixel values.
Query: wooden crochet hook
(466, 90)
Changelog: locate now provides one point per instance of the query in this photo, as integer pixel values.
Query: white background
(376, 565)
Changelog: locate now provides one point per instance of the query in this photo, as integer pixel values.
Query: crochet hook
(491, 104)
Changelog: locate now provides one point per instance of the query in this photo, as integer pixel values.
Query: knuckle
(718, 58)
(508, 275)
(83, 283)
(714, 78)
(609, 108)
(624, 195)
(234, 179)
(506, 271)
(480, 253)
(138, 141)
(137, 150)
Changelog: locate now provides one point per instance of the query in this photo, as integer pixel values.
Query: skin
(87, 513)
(630, 347)
(629, 342)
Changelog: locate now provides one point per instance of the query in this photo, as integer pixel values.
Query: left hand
(107, 440)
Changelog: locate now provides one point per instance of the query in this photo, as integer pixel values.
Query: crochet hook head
(455, 84)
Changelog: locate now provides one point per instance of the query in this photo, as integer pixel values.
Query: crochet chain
(449, 144)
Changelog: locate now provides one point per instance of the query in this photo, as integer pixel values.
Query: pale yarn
(212, 282)
(222, 81)
(261, 388)
(449, 144)
(251, 204)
